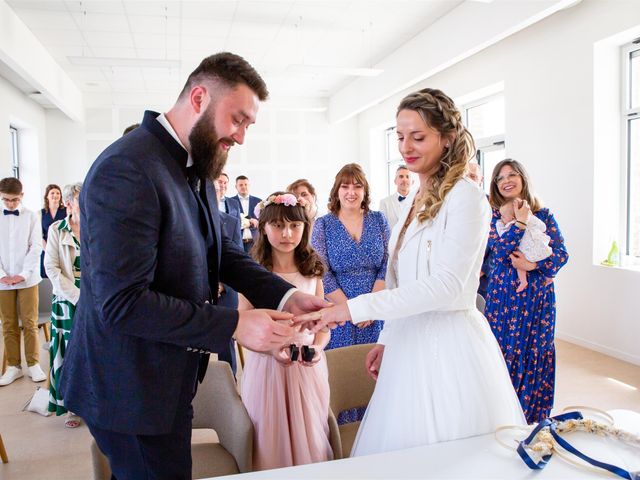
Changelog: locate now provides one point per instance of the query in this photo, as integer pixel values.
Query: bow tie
(12, 212)
(401, 198)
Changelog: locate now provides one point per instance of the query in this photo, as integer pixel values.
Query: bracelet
(521, 223)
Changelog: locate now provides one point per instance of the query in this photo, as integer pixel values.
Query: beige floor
(41, 448)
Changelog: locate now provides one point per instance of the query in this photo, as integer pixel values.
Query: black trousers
(146, 457)
(153, 457)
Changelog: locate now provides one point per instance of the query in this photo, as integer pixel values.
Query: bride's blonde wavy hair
(440, 113)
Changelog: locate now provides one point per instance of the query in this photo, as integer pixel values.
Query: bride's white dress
(443, 376)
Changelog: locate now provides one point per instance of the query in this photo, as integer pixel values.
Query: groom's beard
(208, 158)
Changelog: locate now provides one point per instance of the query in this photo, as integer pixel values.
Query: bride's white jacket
(438, 264)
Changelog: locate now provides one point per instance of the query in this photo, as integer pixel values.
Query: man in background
(228, 205)
(392, 204)
(247, 204)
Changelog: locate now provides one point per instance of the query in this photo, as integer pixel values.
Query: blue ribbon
(552, 423)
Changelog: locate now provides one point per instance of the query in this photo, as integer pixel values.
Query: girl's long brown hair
(306, 259)
(440, 113)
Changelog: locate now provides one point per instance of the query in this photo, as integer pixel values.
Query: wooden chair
(351, 387)
(217, 406)
(3, 452)
(480, 303)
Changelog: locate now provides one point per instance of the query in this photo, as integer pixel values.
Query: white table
(476, 457)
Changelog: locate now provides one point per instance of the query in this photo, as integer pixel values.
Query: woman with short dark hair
(62, 262)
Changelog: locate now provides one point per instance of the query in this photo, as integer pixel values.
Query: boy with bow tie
(20, 247)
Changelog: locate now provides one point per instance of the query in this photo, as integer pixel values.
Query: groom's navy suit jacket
(152, 254)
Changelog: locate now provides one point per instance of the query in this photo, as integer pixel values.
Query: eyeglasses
(508, 176)
(11, 200)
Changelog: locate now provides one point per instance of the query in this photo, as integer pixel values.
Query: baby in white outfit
(534, 244)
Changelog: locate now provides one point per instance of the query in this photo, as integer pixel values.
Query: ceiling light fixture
(330, 70)
(123, 62)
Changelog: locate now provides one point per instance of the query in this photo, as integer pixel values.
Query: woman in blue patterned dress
(523, 323)
(352, 241)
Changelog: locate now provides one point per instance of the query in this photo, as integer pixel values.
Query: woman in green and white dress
(62, 264)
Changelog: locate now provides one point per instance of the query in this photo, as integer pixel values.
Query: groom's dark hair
(228, 70)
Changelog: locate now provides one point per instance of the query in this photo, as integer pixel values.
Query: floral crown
(287, 199)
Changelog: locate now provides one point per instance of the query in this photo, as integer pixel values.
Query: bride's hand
(327, 317)
(364, 324)
(373, 361)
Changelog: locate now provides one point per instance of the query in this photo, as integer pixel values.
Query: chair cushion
(348, 433)
(211, 460)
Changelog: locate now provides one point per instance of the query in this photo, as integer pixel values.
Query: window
(485, 120)
(394, 159)
(631, 140)
(13, 145)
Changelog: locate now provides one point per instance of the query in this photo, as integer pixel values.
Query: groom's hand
(264, 330)
(300, 303)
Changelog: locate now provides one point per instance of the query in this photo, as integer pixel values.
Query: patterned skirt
(62, 312)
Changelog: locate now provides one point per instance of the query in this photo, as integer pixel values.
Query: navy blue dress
(524, 323)
(47, 220)
(352, 267)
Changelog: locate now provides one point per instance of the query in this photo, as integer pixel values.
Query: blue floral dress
(524, 323)
(352, 267)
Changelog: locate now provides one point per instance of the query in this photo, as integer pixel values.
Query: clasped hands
(11, 280)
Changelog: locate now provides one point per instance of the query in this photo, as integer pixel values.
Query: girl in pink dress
(287, 395)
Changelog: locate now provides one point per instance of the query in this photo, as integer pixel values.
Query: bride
(440, 372)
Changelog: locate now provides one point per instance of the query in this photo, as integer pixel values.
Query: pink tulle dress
(289, 405)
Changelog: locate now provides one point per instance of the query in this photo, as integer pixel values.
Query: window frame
(628, 115)
(15, 157)
(485, 144)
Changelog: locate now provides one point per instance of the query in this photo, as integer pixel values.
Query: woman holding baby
(526, 250)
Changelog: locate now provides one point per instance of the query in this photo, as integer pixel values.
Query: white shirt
(20, 247)
(162, 120)
(391, 207)
(246, 232)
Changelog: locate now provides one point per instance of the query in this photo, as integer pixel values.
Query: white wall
(19, 111)
(548, 73)
(67, 160)
(283, 145)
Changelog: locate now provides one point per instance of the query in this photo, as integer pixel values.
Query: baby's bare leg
(522, 277)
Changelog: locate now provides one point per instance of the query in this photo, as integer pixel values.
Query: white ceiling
(272, 35)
